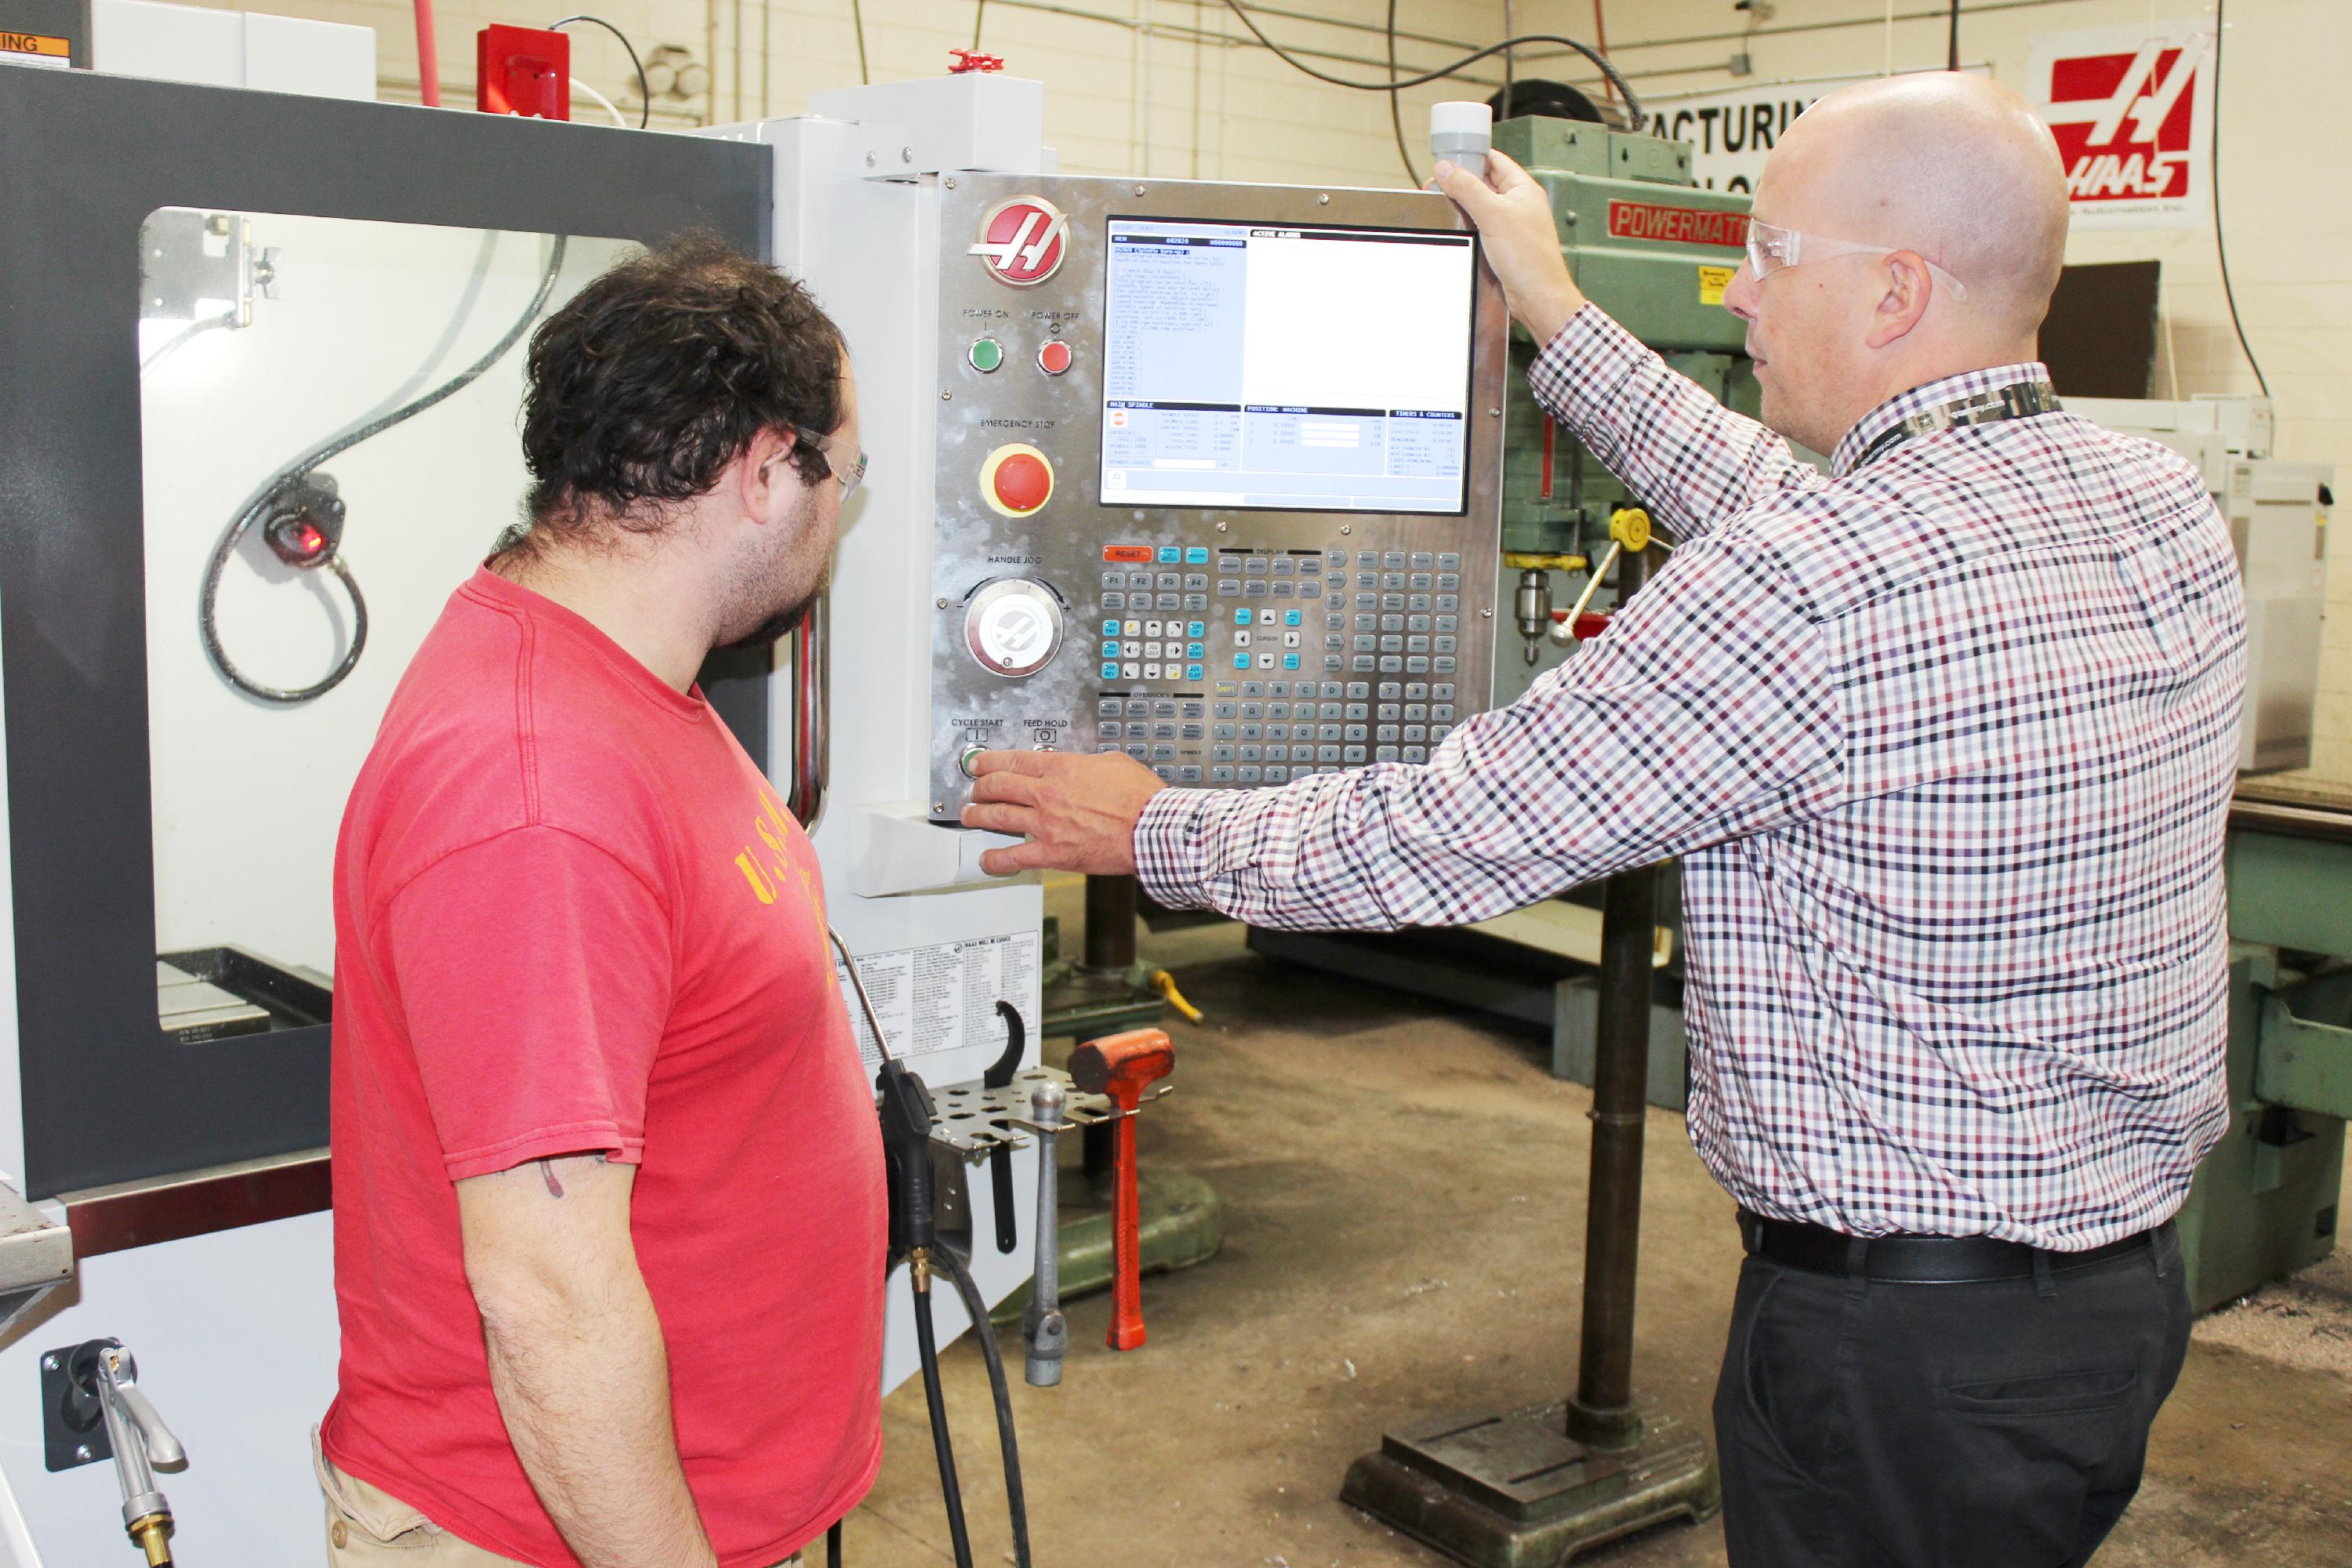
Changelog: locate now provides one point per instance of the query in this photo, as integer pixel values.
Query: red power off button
(1053, 358)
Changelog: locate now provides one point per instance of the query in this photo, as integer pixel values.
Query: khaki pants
(367, 1527)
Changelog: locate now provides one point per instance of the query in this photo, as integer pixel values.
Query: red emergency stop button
(1017, 480)
(1055, 357)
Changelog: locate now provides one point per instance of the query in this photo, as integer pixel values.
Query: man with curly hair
(600, 1304)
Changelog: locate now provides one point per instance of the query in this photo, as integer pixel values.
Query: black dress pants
(1865, 1423)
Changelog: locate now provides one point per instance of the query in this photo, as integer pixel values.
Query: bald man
(1945, 740)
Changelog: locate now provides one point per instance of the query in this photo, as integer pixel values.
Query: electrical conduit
(428, 57)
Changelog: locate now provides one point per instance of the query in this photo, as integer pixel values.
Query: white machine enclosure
(939, 942)
(2278, 523)
(236, 1331)
(232, 49)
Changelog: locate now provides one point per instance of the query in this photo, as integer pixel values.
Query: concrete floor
(1403, 1192)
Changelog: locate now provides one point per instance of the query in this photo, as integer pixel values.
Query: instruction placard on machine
(944, 996)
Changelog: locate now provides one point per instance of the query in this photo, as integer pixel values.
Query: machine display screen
(1296, 369)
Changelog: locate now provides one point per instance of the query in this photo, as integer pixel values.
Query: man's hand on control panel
(1077, 812)
(1521, 239)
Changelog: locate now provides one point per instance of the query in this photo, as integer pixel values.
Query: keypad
(1254, 612)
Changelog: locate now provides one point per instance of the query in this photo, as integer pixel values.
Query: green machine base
(1516, 1491)
(2264, 1205)
(1180, 1224)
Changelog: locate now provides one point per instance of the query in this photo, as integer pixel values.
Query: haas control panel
(1218, 477)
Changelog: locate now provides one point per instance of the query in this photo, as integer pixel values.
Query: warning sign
(2131, 110)
(943, 997)
(1712, 282)
(35, 49)
(1732, 130)
(1677, 225)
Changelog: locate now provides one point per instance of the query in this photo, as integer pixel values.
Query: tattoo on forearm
(547, 1172)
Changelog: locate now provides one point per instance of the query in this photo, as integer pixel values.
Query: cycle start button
(1014, 626)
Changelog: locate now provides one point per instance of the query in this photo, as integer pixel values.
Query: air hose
(1000, 1392)
(927, 1344)
(302, 520)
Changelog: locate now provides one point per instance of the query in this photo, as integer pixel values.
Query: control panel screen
(1297, 369)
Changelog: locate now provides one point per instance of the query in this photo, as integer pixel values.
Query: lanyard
(2018, 400)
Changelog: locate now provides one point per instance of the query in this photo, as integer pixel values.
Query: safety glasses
(1770, 249)
(848, 479)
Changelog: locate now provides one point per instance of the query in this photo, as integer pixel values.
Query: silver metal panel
(1059, 704)
(2276, 525)
(37, 1254)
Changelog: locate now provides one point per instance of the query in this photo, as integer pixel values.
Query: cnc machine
(1200, 472)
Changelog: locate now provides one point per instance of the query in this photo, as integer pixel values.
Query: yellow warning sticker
(1712, 281)
(35, 50)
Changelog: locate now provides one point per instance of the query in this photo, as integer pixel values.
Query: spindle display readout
(1291, 369)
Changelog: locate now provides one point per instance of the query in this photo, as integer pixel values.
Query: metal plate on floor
(1514, 1491)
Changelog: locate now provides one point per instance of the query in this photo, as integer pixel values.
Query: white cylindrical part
(1461, 134)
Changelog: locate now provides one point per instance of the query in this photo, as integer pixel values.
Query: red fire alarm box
(523, 70)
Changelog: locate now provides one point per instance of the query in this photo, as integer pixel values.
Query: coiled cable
(282, 485)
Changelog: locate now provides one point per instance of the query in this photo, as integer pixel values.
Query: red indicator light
(523, 70)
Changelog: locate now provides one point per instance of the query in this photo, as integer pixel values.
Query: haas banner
(2131, 108)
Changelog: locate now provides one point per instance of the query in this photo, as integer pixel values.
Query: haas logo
(2121, 120)
(1018, 631)
(1021, 241)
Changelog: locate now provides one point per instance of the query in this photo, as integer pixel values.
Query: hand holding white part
(1521, 240)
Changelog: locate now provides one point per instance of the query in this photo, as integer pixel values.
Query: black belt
(1920, 1260)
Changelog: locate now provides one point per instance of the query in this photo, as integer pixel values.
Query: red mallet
(1122, 1067)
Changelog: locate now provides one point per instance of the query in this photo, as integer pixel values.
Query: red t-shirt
(571, 916)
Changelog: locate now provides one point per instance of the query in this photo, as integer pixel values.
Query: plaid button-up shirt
(1945, 744)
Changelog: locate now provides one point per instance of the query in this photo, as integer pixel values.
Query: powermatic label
(1677, 225)
(944, 996)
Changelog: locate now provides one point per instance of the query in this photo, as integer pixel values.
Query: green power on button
(985, 353)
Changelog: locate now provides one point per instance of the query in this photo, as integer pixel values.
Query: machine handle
(811, 737)
(1584, 628)
(139, 1440)
(1126, 1244)
(1043, 1328)
(118, 1383)
(163, 1448)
